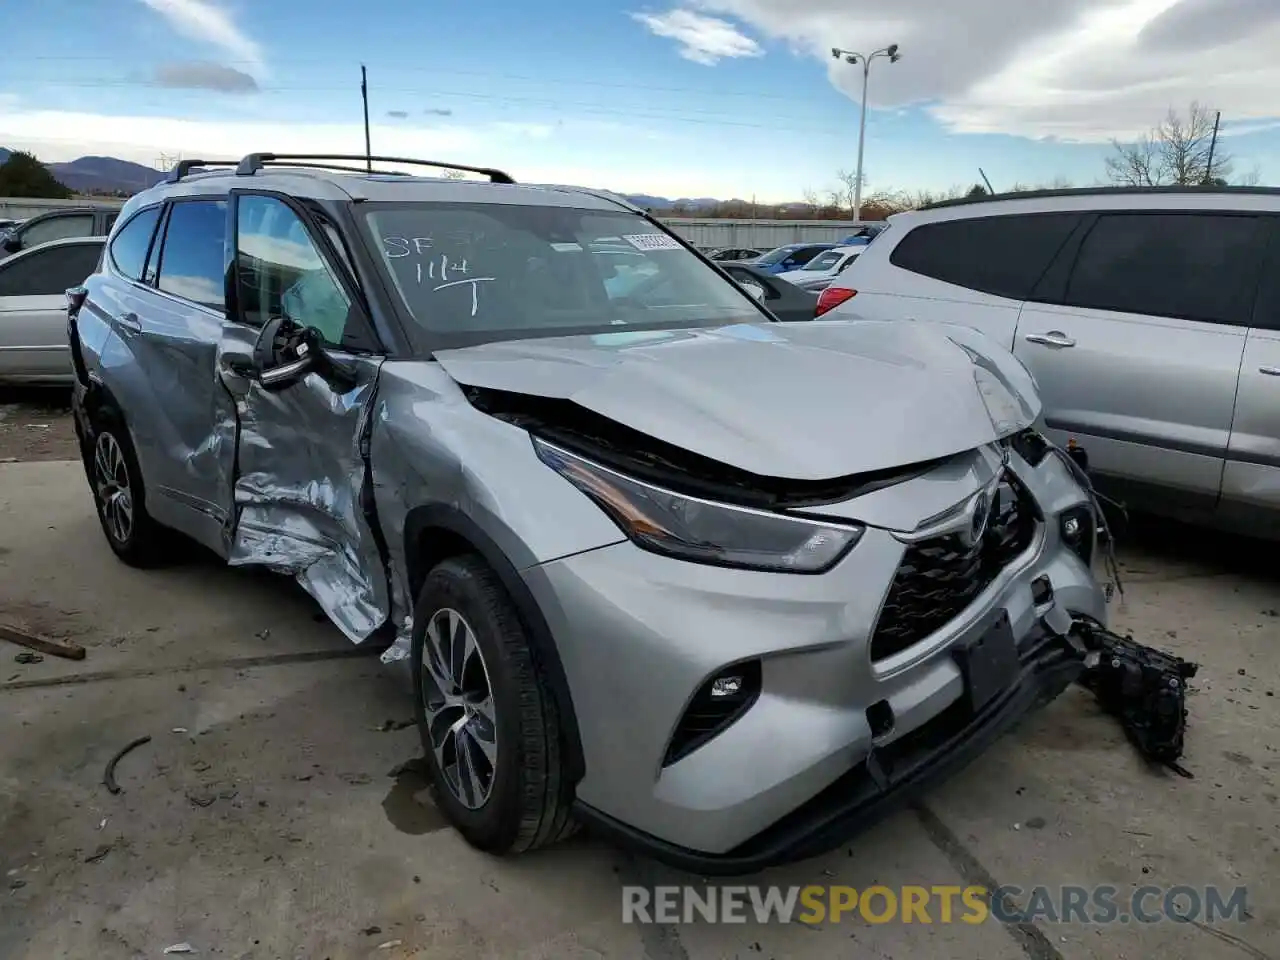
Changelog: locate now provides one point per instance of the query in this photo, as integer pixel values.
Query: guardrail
(20, 208)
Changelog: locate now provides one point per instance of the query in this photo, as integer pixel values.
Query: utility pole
(1213, 145)
(851, 56)
(364, 95)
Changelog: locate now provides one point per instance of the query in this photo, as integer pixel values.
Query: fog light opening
(717, 705)
(880, 719)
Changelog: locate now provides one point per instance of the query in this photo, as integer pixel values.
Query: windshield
(470, 273)
(776, 256)
(824, 261)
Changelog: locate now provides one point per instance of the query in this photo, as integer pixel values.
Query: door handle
(129, 322)
(1270, 371)
(238, 366)
(1053, 338)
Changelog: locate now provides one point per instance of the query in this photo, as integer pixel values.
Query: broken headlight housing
(689, 528)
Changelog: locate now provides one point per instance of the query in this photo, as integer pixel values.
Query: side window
(1003, 256)
(50, 271)
(281, 273)
(192, 259)
(804, 255)
(57, 228)
(1194, 266)
(130, 246)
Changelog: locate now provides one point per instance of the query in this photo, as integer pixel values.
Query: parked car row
(1150, 320)
(87, 221)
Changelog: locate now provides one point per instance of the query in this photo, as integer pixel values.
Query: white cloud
(202, 21)
(1075, 69)
(702, 39)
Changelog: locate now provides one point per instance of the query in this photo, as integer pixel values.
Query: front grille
(940, 576)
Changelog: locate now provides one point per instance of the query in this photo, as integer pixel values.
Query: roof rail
(1104, 192)
(254, 162)
(184, 167)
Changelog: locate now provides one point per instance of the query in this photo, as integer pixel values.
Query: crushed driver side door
(299, 356)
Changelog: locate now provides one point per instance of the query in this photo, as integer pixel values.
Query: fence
(705, 232)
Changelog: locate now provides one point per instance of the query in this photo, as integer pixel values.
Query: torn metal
(301, 495)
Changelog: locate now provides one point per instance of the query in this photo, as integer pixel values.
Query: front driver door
(303, 494)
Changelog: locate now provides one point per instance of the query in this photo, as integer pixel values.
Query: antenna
(364, 95)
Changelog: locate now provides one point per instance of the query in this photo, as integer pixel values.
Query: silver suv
(725, 586)
(1150, 319)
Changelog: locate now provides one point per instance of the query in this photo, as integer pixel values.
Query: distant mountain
(109, 175)
(665, 203)
(105, 175)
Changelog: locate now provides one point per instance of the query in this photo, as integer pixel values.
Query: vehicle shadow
(52, 399)
(1177, 544)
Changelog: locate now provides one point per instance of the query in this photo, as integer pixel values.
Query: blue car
(791, 257)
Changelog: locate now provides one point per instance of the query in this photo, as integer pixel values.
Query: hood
(802, 401)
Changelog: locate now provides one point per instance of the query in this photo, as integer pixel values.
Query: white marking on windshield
(475, 282)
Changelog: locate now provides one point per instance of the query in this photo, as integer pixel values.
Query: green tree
(22, 175)
(978, 190)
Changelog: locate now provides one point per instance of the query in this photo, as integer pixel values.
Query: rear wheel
(119, 497)
(489, 725)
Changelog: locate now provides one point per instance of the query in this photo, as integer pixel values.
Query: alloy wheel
(111, 481)
(458, 701)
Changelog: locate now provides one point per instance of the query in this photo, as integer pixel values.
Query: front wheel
(489, 725)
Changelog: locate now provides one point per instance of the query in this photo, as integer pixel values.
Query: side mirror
(75, 299)
(283, 354)
(755, 290)
(11, 243)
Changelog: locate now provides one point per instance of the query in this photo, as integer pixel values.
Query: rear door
(1251, 479)
(303, 496)
(186, 421)
(33, 308)
(1136, 341)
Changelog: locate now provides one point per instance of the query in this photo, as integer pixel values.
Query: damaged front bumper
(899, 773)
(641, 636)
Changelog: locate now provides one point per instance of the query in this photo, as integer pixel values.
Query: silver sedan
(33, 308)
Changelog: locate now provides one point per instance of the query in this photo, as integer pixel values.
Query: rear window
(777, 256)
(824, 261)
(479, 272)
(1191, 265)
(1004, 256)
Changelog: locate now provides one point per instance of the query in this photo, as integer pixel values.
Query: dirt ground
(35, 424)
(261, 819)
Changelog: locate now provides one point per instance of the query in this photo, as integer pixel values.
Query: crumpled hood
(801, 401)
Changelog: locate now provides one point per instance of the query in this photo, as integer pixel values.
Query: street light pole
(862, 139)
(852, 56)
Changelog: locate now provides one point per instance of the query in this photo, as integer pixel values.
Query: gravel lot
(260, 820)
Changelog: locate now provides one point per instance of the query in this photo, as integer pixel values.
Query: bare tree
(453, 174)
(1175, 152)
(1251, 179)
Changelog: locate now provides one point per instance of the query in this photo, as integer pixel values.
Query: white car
(818, 273)
(33, 308)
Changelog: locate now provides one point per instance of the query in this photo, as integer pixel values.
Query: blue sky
(700, 98)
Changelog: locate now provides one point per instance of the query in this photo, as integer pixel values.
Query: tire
(525, 801)
(111, 467)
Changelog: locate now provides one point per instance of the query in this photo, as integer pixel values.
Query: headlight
(692, 529)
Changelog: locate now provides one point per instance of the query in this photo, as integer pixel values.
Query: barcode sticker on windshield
(652, 241)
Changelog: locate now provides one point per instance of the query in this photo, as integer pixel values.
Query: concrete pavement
(260, 820)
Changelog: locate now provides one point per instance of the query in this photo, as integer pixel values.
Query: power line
(711, 119)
